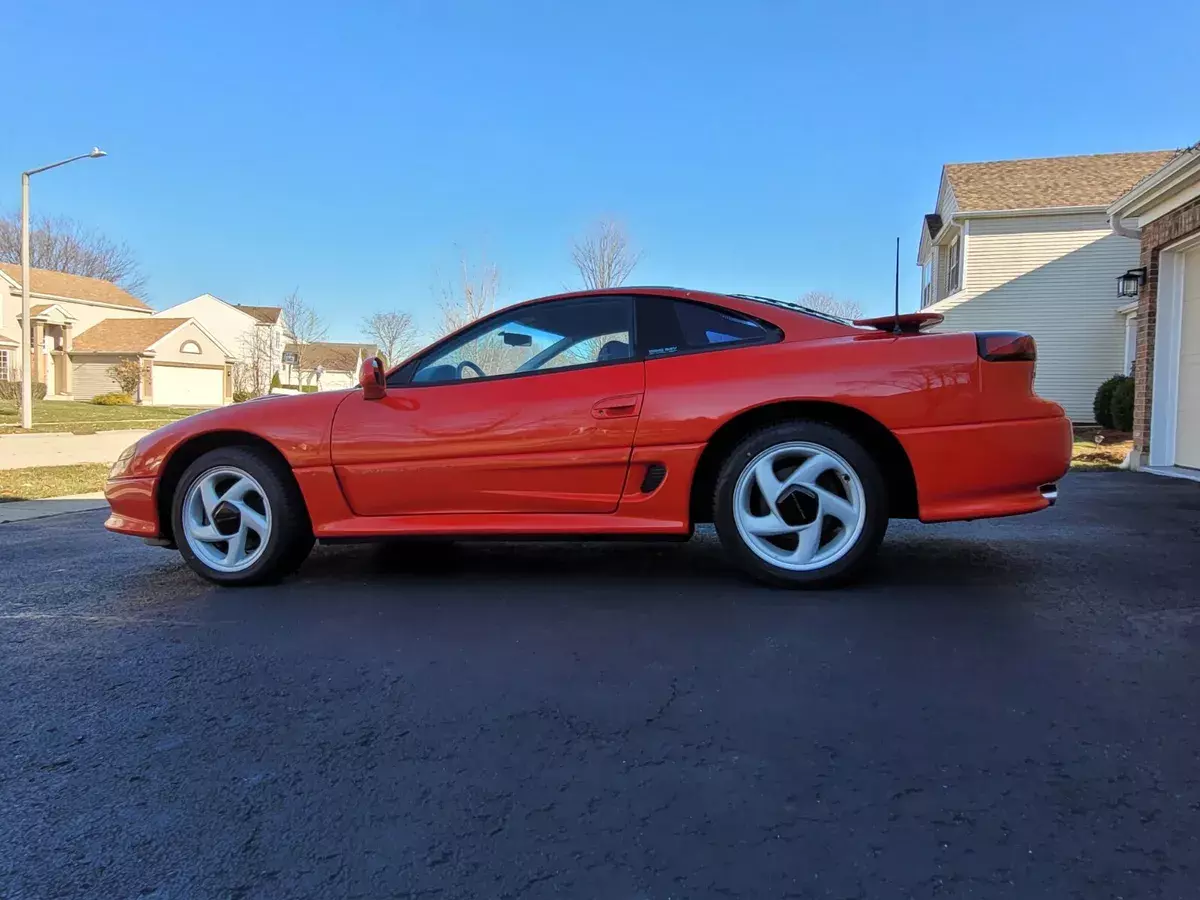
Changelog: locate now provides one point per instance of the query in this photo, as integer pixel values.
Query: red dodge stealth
(631, 412)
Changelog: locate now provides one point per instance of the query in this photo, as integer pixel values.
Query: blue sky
(764, 147)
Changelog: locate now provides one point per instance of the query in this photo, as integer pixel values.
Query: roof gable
(1051, 182)
(72, 287)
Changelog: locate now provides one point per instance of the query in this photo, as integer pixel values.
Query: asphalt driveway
(1004, 709)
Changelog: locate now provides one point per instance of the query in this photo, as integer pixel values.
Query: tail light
(1006, 346)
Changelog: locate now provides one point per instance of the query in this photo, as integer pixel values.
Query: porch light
(1129, 284)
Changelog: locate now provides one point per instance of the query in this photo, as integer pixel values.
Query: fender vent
(655, 473)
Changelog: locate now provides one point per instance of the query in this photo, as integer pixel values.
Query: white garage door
(1187, 431)
(187, 386)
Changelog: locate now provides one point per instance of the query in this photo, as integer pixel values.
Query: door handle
(625, 406)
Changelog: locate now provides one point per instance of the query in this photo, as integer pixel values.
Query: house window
(189, 347)
(5, 371)
(927, 283)
(954, 267)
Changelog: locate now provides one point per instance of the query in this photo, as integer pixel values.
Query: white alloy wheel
(227, 519)
(799, 506)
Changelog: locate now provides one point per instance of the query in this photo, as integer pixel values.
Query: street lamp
(26, 325)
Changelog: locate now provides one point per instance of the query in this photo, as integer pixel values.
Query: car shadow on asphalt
(906, 560)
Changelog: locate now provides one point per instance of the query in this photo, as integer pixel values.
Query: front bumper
(134, 507)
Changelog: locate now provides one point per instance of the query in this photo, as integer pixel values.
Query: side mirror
(372, 379)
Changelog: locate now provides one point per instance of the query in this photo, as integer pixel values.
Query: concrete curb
(23, 510)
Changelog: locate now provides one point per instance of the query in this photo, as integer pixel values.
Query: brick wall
(1179, 224)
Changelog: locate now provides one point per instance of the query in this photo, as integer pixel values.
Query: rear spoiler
(908, 323)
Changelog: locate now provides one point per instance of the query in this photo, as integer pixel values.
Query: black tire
(291, 535)
(874, 498)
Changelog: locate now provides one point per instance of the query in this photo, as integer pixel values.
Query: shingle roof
(1050, 182)
(125, 335)
(333, 357)
(267, 314)
(73, 287)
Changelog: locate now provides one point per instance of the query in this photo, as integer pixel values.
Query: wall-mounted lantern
(1130, 284)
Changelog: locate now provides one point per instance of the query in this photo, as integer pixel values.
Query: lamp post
(26, 325)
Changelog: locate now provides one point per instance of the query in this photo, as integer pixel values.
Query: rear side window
(667, 326)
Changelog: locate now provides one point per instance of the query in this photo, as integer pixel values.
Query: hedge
(112, 399)
(1121, 408)
(11, 390)
(1103, 403)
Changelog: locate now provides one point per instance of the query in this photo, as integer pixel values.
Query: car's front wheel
(801, 504)
(238, 519)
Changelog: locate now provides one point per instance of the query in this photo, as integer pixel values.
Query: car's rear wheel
(238, 519)
(801, 504)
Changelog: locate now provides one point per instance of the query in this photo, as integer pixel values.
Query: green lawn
(41, 482)
(86, 418)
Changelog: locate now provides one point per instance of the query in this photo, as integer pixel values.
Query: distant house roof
(266, 314)
(73, 287)
(125, 335)
(1051, 182)
(332, 357)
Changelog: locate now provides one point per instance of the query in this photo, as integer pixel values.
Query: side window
(556, 335)
(667, 326)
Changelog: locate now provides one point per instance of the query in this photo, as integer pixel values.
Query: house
(324, 365)
(62, 306)
(82, 326)
(182, 363)
(1025, 245)
(254, 334)
(1162, 213)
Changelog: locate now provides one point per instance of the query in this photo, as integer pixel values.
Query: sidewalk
(20, 510)
(21, 451)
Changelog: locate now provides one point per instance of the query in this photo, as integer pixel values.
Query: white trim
(1154, 186)
(1173, 472)
(1033, 211)
(1128, 309)
(208, 334)
(1168, 332)
(1130, 340)
(962, 254)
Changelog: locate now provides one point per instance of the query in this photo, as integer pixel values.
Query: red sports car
(628, 412)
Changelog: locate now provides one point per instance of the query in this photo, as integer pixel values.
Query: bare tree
(604, 256)
(304, 324)
(473, 297)
(65, 245)
(253, 372)
(393, 333)
(823, 301)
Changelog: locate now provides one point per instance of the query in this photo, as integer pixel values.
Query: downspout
(1123, 230)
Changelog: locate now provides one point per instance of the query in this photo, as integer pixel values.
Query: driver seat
(613, 350)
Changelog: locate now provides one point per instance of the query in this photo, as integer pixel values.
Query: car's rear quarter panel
(978, 440)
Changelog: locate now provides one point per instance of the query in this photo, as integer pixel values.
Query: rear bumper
(990, 469)
(134, 510)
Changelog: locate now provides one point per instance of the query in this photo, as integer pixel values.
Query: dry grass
(42, 482)
(1099, 448)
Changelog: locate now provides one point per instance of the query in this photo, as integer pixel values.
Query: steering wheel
(467, 364)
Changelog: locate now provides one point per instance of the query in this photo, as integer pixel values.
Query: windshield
(787, 304)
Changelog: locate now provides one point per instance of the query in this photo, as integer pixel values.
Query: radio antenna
(896, 325)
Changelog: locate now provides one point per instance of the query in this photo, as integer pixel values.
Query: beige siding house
(62, 306)
(182, 363)
(325, 365)
(254, 334)
(1025, 245)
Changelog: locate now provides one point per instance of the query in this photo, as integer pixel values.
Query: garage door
(1187, 433)
(188, 386)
